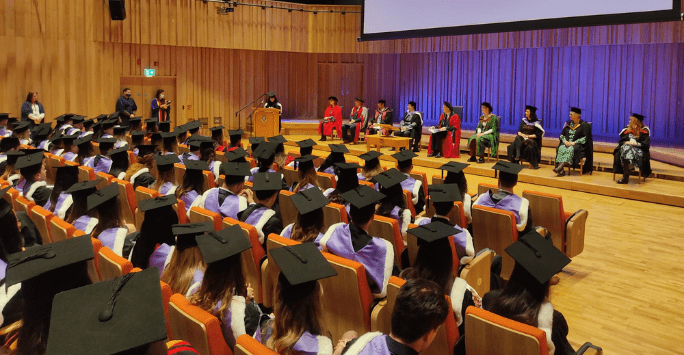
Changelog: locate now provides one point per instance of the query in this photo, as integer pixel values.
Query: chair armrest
(589, 348)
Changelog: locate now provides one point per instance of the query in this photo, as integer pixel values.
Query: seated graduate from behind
(405, 165)
(192, 185)
(525, 297)
(154, 243)
(336, 156)
(70, 149)
(223, 291)
(193, 127)
(170, 142)
(41, 136)
(281, 158)
(231, 198)
(88, 128)
(393, 205)
(166, 178)
(297, 326)
(120, 135)
(4, 131)
(411, 126)
(56, 146)
(435, 262)
(331, 119)
(371, 167)
(185, 269)
(419, 311)
(135, 124)
(101, 163)
(133, 317)
(261, 214)
(217, 137)
(32, 167)
(111, 229)
(265, 156)
(443, 197)
(575, 144)
(108, 128)
(254, 143)
(235, 136)
(357, 122)
(238, 155)
(456, 176)
(10, 174)
(85, 152)
(197, 144)
(308, 226)
(120, 162)
(305, 148)
(528, 143)
(346, 180)
(11, 241)
(633, 149)
(45, 271)
(140, 173)
(7, 144)
(506, 199)
(80, 216)
(21, 130)
(351, 241)
(60, 200)
(137, 138)
(308, 179)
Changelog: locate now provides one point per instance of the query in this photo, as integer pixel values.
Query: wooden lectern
(266, 122)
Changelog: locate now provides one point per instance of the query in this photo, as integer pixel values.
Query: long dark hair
(85, 150)
(159, 92)
(458, 179)
(80, 206)
(265, 164)
(331, 160)
(30, 96)
(307, 226)
(192, 180)
(521, 299)
(434, 262)
(345, 182)
(109, 216)
(272, 104)
(11, 239)
(451, 108)
(155, 229)
(62, 183)
(394, 197)
(222, 280)
(208, 154)
(120, 164)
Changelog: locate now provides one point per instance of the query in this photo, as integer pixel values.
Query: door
(144, 89)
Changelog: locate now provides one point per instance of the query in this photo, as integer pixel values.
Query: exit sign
(150, 72)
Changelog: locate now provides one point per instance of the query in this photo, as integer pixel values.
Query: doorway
(143, 90)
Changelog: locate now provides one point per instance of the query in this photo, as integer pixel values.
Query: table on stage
(380, 141)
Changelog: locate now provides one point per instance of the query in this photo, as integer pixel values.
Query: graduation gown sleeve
(645, 145)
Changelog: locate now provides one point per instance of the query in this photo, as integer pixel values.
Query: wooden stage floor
(624, 292)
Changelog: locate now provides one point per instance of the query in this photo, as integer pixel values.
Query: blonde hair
(182, 267)
(635, 126)
(369, 174)
(146, 161)
(307, 177)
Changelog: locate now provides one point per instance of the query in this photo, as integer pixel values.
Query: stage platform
(668, 191)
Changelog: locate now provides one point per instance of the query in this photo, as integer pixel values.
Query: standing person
(487, 135)
(357, 122)
(125, 105)
(383, 115)
(32, 110)
(528, 143)
(633, 149)
(331, 119)
(161, 107)
(412, 126)
(274, 103)
(575, 143)
(445, 139)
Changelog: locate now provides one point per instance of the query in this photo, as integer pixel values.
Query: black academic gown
(585, 150)
(40, 196)
(527, 149)
(145, 180)
(645, 140)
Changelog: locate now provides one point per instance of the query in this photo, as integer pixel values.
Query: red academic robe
(452, 141)
(336, 113)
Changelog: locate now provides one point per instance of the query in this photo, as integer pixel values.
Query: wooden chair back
(53, 162)
(251, 161)
(221, 157)
(221, 180)
(326, 181)
(495, 229)
(437, 179)
(246, 345)
(112, 265)
(93, 265)
(477, 272)
(408, 200)
(199, 215)
(104, 180)
(166, 298)
(24, 205)
(333, 213)
(209, 180)
(291, 175)
(388, 229)
(178, 173)
(41, 218)
(142, 194)
(196, 326)
(60, 230)
(96, 148)
(183, 148)
(86, 173)
(126, 199)
(288, 211)
(11, 197)
(251, 258)
(422, 177)
(456, 216)
(547, 211)
(483, 188)
(488, 333)
(269, 269)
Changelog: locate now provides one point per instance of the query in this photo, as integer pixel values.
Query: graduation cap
(307, 143)
(267, 182)
(169, 136)
(359, 99)
(8, 143)
(120, 129)
(39, 260)
(362, 196)
(109, 124)
(135, 120)
(507, 168)
(42, 130)
(144, 149)
(389, 178)
(300, 266)
(83, 187)
(4, 116)
(13, 155)
(114, 116)
(185, 233)
(279, 139)
(28, 151)
(123, 315)
(194, 125)
(201, 142)
(347, 169)
(165, 162)
(70, 138)
(236, 133)
(137, 134)
(100, 117)
(165, 126)
(65, 171)
(155, 137)
(487, 105)
(60, 119)
(332, 98)
(20, 127)
(453, 167)
(371, 159)
(537, 256)
(78, 119)
(157, 202)
(309, 200)
(195, 165)
(265, 150)
(305, 162)
(216, 129)
(89, 123)
(531, 108)
(338, 149)
(237, 154)
(107, 140)
(638, 116)
(5, 207)
(83, 140)
(576, 110)
(433, 231)
(103, 195)
(404, 158)
(122, 150)
(151, 121)
(233, 168)
(11, 121)
(220, 245)
(256, 140)
(56, 137)
(29, 159)
(444, 193)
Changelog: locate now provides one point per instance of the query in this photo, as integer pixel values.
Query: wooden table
(382, 141)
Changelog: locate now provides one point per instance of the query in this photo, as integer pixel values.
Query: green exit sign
(150, 72)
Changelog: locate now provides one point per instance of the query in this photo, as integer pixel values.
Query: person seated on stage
(261, 214)
(506, 199)
(235, 136)
(155, 241)
(86, 151)
(383, 115)
(336, 156)
(70, 149)
(7, 144)
(139, 174)
(166, 178)
(305, 148)
(331, 119)
(60, 200)
(254, 143)
(446, 137)
(43, 272)
(22, 132)
(4, 130)
(231, 198)
(80, 216)
(574, 143)
(185, 269)
(357, 122)
(372, 166)
(347, 179)
(633, 149)
(405, 165)
(223, 291)
(101, 163)
(528, 143)
(297, 325)
(169, 143)
(351, 241)
(419, 311)
(120, 162)
(525, 298)
(308, 179)
(119, 133)
(32, 167)
(308, 227)
(411, 126)
(434, 262)
(192, 185)
(111, 229)
(487, 135)
(393, 205)
(443, 197)
(456, 176)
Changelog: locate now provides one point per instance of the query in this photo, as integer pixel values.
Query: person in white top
(32, 110)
